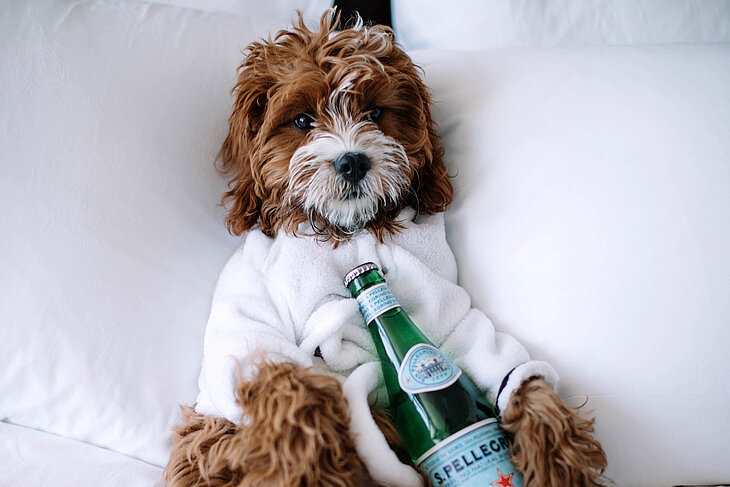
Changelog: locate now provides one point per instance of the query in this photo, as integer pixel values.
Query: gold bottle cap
(358, 271)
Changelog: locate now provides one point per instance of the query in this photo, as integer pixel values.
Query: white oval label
(426, 369)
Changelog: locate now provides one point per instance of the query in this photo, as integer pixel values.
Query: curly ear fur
(295, 434)
(552, 444)
(431, 189)
(234, 161)
(237, 159)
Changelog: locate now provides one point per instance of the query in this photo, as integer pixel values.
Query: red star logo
(504, 480)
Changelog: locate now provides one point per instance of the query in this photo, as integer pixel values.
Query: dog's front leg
(552, 443)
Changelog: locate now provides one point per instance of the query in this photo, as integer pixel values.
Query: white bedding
(31, 458)
(599, 178)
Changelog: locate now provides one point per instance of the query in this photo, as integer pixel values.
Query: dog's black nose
(352, 166)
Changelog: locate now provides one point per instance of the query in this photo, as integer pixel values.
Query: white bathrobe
(285, 296)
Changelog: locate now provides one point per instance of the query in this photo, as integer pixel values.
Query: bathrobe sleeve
(496, 361)
(244, 323)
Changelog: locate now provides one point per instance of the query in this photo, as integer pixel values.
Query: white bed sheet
(32, 458)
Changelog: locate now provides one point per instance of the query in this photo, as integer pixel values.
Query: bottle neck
(364, 282)
(372, 294)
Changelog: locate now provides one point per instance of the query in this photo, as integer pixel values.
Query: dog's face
(334, 129)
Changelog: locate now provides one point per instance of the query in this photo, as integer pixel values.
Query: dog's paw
(296, 429)
(294, 432)
(552, 443)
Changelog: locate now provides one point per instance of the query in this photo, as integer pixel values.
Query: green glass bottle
(448, 428)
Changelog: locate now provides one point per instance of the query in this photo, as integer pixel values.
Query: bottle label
(376, 301)
(475, 456)
(425, 369)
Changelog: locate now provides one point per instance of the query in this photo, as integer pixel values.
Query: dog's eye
(303, 122)
(375, 115)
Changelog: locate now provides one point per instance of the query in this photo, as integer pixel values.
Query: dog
(331, 140)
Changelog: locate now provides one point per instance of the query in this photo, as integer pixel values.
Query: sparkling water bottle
(448, 428)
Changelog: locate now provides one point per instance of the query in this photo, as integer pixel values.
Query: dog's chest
(302, 273)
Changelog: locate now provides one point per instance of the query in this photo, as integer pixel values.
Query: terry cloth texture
(284, 297)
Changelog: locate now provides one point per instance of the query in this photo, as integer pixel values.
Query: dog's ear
(431, 190)
(235, 159)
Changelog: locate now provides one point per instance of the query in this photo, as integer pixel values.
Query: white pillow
(111, 115)
(276, 11)
(591, 221)
(480, 24)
